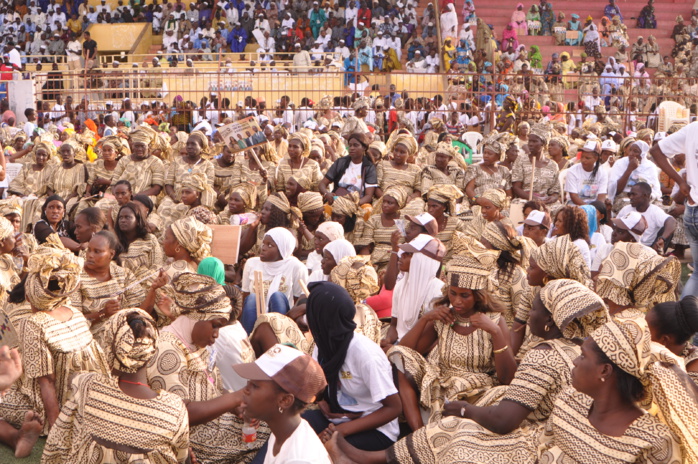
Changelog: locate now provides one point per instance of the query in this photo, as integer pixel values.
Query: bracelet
(393, 252)
(462, 411)
(501, 350)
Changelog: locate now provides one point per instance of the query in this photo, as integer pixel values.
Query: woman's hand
(10, 367)
(325, 408)
(329, 197)
(454, 408)
(481, 321)
(160, 281)
(165, 306)
(440, 313)
(111, 307)
(395, 240)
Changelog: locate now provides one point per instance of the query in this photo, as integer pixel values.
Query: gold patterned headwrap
(346, 205)
(562, 141)
(561, 259)
(446, 148)
(117, 143)
(203, 140)
(542, 130)
(193, 235)
(633, 275)
(142, 135)
(496, 142)
(248, 193)
(6, 228)
(304, 140)
(361, 102)
(505, 239)
(200, 297)
(52, 265)
(301, 180)
(498, 197)
(473, 265)
(125, 352)
(625, 143)
(399, 193)
(309, 201)
(357, 276)
(447, 194)
(378, 145)
(437, 124)
(576, 309)
(162, 143)
(643, 133)
(317, 145)
(48, 146)
(280, 201)
(406, 140)
(281, 130)
(9, 206)
(199, 181)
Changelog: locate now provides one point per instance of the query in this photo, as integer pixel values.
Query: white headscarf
(286, 243)
(340, 249)
(645, 172)
(449, 22)
(333, 230)
(416, 288)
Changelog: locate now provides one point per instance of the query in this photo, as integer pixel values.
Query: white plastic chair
(473, 139)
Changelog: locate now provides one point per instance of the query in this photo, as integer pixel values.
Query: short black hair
(644, 188)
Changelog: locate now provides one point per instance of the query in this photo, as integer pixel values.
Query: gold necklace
(462, 322)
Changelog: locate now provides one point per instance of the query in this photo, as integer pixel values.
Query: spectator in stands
(89, 51)
(654, 58)
(533, 20)
(547, 17)
(646, 19)
(449, 21)
(612, 10)
(592, 41)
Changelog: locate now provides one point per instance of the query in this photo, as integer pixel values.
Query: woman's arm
(323, 189)
(201, 412)
(574, 198)
(47, 386)
(502, 418)
(470, 189)
(170, 192)
(392, 407)
(519, 192)
(368, 196)
(423, 335)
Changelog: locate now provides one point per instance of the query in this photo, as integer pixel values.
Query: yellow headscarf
(346, 205)
(447, 194)
(357, 276)
(6, 228)
(248, 193)
(200, 297)
(9, 206)
(304, 140)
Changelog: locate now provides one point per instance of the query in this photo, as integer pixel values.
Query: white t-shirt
(365, 380)
(289, 285)
(232, 347)
(584, 249)
(580, 182)
(302, 447)
(313, 263)
(351, 179)
(597, 241)
(685, 141)
(655, 217)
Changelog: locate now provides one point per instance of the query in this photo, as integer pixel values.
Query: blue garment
(350, 66)
(240, 5)
(591, 218)
(278, 303)
(237, 39)
(612, 10)
(349, 36)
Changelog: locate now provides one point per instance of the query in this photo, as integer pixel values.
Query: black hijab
(330, 312)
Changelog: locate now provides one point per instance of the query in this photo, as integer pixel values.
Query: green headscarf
(212, 267)
(535, 57)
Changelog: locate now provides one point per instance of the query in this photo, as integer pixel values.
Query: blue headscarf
(591, 219)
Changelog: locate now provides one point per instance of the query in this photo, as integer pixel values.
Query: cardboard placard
(226, 243)
(243, 134)
(12, 171)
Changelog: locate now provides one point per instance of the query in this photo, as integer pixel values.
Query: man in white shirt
(684, 141)
(30, 125)
(660, 226)
(103, 7)
(58, 110)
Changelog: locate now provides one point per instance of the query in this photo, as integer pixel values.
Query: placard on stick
(226, 243)
(243, 134)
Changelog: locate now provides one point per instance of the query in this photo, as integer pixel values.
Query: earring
(281, 411)
(546, 279)
(603, 379)
(547, 328)
(178, 249)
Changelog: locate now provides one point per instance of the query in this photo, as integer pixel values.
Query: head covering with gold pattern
(248, 193)
(357, 276)
(200, 297)
(576, 309)
(198, 181)
(11, 205)
(346, 205)
(193, 235)
(52, 267)
(560, 258)
(447, 194)
(304, 141)
(309, 201)
(6, 228)
(125, 352)
(543, 130)
(472, 267)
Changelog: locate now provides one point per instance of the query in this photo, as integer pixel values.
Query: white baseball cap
(609, 145)
(538, 218)
(427, 245)
(427, 221)
(633, 222)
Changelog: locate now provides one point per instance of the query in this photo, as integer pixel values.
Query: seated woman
(375, 240)
(56, 337)
(673, 324)
(11, 209)
(489, 207)
(99, 174)
(346, 211)
(142, 253)
(241, 199)
(574, 24)
(560, 29)
(182, 168)
(546, 184)
(325, 233)
(105, 287)
(182, 366)
(367, 397)
(122, 193)
(276, 212)
(447, 168)
(488, 174)
(11, 260)
(298, 163)
(33, 180)
(398, 173)
(458, 350)
(195, 190)
(223, 181)
(246, 170)
(86, 426)
(312, 209)
(631, 169)
(53, 221)
(413, 295)
(647, 19)
(282, 274)
(533, 20)
(572, 221)
(586, 182)
(512, 415)
(68, 178)
(442, 205)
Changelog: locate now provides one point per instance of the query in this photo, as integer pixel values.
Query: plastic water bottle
(242, 219)
(249, 434)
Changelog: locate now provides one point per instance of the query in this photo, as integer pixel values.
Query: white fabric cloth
(286, 243)
(584, 249)
(232, 347)
(449, 22)
(580, 182)
(415, 291)
(655, 217)
(340, 249)
(302, 447)
(647, 171)
(365, 380)
(685, 141)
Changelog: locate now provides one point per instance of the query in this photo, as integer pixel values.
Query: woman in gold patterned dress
(55, 342)
(186, 242)
(310, 204)
(447, 168)
(246, 170)
(99, 174)
(9, 270)
(673, 324)
(504, 425)
(105, 287)
(181, 366)
(375, 240)
(195, 192)
(224, 168)
(241, 199)
(633, 279)
(488, 174)
(88, 430)
(181, 169)
(142, 253)
(398, 173)
(68, 178)
(33, 180)
(599, 420)
(546, 183)
(441, 204)
(297, 163)
(276, 212)
(144, 171)
(346, 211)
(468, 338)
